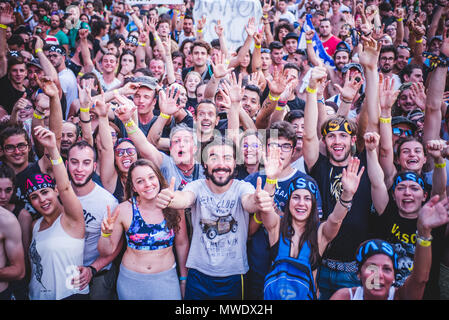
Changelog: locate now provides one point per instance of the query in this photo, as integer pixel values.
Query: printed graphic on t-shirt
(36, 260)
(219, 230)
(335, 186)
(405, 252)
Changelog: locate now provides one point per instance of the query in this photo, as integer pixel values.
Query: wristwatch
(94, 271)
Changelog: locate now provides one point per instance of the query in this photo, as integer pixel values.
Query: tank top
(55, 257)
(143, 236)
(358, 295)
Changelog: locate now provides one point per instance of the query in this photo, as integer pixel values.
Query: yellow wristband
(165, 116)
(385, 120)
(57, 161)
(272, 181)
(419, 41)
(308, 41)
(84, 109)
(310, 90)
(255, 219)
(80, 74)
(38, 50)
(279, 108)
(399, 20)
(142, 44)
(257, 46)
(2, 26)
(273, 98)
(130, 123)
(37, 116)
(105, 235)
(199, 30)
(440, 165)
(423, 243)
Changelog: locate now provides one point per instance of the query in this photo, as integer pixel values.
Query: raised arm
(85, 53)
(368, 59)
(432, 215)
(379, 191)
(111, 232)
(350, 179)
(73, 217)
(85, 104)
(169, 198)
(387, 97)
(434, 150)
(250, 31)
(6, 18)
(311, 142)
(221, 70)
(145, 148)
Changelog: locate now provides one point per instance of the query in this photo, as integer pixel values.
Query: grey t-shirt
(220, 229)
(169, 169)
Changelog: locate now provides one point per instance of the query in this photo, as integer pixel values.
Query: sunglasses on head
(399, 132)
(264, 50)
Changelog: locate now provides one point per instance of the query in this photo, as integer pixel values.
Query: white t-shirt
(95, 209)
(116, 82)
(220, 229)
(69, 86)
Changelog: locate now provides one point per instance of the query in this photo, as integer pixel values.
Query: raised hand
(351, 86)
(201, 23)
(85, 91)
(107, 225)
(273, 163)
(234, 89)
(387, 93)
(251, 27)
(369, 56)
(418, 95)
(219, 29)
(47, 86)
(126, 109)
(310, 34)
(167, 103)
(279, 82)
(433, 214)
(444, 49)
(45, 137)
(435, 148)
(350, 178)
(165, 196)
(7, 14)
(371, 141)
(220, 66)
(317, 76)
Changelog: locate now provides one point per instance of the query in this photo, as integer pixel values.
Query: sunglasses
(264, 50)
(129, 151)
(402, 132)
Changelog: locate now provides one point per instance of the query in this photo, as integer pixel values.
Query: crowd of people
(141, 162)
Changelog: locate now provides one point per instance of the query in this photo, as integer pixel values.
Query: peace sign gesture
(107, 225)
(350, 179)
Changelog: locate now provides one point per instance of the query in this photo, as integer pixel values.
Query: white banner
(233, 14)
(138, 2)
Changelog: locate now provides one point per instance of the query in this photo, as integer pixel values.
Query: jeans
(200, 286)
(329, 281)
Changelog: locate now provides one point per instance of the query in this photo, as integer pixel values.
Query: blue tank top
(143, 236)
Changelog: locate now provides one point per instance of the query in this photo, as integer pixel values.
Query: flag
(317, 45)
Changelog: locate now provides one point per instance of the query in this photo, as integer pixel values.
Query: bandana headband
(337, 125)
(408, 176)
(37, 182)
(375, 246)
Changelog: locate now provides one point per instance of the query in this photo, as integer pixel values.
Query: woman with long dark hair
(299, 228)
(148, 267)
(126, 65)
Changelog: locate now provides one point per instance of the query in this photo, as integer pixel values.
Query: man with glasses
(16, 153)
(387, 59)
(281, 137)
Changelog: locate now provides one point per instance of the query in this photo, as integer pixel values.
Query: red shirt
(331, 45)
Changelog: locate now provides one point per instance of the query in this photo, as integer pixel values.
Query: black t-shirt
(207, 75)
(9, 95)
(296, 104)
(400, 232)
(357, 225)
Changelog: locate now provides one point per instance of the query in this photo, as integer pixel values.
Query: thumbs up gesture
(264, 201)
(165, 196)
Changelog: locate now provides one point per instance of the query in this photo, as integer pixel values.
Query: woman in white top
(377, 261)
(57, 243)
